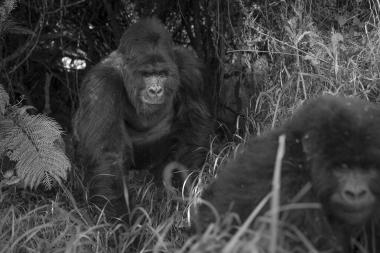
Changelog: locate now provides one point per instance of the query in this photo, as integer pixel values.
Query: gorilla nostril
(151, 92)
(159, 91)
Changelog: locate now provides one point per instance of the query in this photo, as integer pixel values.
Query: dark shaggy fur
(140, 107)
(332, 142)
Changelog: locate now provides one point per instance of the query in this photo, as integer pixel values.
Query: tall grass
(306, 58)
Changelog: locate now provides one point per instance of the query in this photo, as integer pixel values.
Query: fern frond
(4, 99)
(6, 127)
(30, 141)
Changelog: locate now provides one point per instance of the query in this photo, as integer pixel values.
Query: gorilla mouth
(146, 99)
(355, 215)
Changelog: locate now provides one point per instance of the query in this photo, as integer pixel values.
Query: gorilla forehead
(149, 33)
(343, 130)
(153, 59)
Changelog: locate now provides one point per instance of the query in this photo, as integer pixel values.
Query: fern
(32, 142)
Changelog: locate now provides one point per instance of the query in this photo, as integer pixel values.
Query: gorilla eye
(145, 73)
(163, 73)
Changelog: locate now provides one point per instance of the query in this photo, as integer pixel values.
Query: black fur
(327, 140)
(117, 130)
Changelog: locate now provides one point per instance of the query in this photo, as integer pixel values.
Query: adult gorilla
(140, 107)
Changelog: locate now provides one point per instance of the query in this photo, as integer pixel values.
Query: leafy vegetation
(264, 58)
(34, 143)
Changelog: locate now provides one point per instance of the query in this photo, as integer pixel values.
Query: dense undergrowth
(306, 58)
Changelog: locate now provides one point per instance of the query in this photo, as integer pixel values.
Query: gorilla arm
(194, 124)
(231, 191)
(99, 127)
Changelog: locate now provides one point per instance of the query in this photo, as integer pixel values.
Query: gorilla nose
(356, 195)
(155, 91)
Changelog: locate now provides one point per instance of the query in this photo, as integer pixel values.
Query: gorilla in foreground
(141, 107)
(331, 142)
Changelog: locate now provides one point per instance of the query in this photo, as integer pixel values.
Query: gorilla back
(140, 107)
